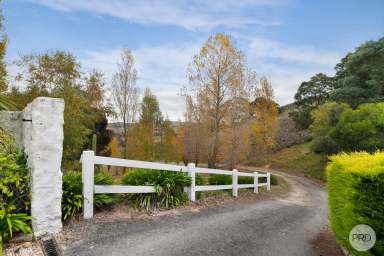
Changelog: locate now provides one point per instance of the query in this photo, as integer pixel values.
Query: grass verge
(297, 160)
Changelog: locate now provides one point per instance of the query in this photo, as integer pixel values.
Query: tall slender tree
(125, 93)
(194, 134)
(265, 112)
(214, 74)
(3, 46)
(152, 137)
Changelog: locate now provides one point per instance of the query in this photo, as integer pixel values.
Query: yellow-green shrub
(355, 185)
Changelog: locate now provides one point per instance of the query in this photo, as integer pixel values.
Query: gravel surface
(280, 226)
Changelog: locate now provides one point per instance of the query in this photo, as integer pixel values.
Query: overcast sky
(286, 40)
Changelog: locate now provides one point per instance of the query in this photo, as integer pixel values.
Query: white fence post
(192, 189)
(256, 182)
(234, 183)
(268, 181)
(87, 162)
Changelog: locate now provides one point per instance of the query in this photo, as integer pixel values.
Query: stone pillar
(42, 140)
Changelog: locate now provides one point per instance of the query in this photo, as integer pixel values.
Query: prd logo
(362, 238)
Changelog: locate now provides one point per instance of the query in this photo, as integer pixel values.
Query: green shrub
(220, 179)
(199, 179)
(103, 178)
(337, 127)
(325, 119)
(361, 129)
(245, 180)
(355, 184)
(324, 144)
(11, 222)
(274, 180)
(72, 200)
(250, 180)
(169, 187)
(14, 189)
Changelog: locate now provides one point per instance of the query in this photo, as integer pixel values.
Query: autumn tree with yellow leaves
(215, 75)
(264, 122)
(193, 135)
(225, 106)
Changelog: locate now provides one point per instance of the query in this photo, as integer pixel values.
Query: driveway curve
(280, 226)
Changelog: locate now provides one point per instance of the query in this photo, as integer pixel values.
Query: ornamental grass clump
(72, 199)
(169, 187)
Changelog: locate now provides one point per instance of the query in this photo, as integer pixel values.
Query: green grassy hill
(298, 160)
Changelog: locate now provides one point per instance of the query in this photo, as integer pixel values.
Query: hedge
(221, 179)
(355, 184)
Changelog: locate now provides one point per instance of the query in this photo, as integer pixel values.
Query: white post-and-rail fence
(88, 160)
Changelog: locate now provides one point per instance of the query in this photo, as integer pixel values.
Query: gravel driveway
(281, 226)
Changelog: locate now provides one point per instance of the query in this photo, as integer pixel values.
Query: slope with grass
(297, 160)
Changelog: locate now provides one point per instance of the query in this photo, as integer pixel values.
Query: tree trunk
(125, 139)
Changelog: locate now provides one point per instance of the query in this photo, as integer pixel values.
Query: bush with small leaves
(14, 189)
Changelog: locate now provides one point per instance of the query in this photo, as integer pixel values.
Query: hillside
(287, 133)
(297, 160)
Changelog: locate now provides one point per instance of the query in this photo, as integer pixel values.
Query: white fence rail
(89, 160)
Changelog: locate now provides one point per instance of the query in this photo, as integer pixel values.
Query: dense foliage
(361, 129)
(221, 120)
(355, 189)
(169, 187)
(325, 119)
(152, 138)
(14, 189)
(337, 127)
(219, 179)
(360, 75)
(309, 96)
(250, 180)
(72, 199)
(359, 79)
(58, 74)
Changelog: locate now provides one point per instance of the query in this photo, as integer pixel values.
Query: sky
(288, 41)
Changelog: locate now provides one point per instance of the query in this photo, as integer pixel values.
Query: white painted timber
(88, 160)
(212, 171)
(234, 183)
(88, 165)
(138, 164)
(268, 181)
(212, 187)
(246, 174)
(192, 188)
(117, 189)
(256, 182)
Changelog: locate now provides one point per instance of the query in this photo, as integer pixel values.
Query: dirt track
(280, 226)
